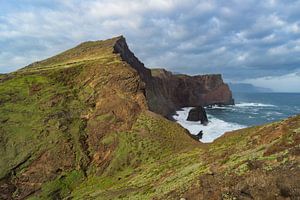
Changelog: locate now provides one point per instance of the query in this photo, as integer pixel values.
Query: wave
(240, 105)
(273, 113)
(246, 104)
(220, 107)
(215, 128)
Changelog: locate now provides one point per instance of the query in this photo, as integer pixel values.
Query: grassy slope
(71, 116)
(40, 126)
(144, 157)
(35, 101)
(173, 173)
(76, 125)
(41, 114)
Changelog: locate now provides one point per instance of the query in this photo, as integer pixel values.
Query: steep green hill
(77, 126)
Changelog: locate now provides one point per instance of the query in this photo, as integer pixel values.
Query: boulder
(198, 114)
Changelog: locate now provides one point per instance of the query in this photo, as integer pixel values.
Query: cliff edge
(173, 91)
(166, 92)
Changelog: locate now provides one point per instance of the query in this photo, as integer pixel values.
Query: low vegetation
(77, 126)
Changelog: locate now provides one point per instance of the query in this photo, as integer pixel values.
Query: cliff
(78, 126)
(172, 92)
(166, 92)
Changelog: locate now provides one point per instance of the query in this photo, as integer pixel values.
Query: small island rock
(198, 114)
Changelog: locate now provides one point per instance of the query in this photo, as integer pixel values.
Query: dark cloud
(240, 39)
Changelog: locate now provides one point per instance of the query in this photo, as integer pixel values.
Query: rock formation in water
(198, 114)
(78, 126)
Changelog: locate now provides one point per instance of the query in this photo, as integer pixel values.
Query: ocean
(250, 109)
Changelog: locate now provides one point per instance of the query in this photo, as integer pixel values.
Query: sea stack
(198, 114)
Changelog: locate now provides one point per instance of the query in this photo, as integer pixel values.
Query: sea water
(250, 109)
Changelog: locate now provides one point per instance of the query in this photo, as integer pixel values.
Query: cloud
(240, 39)
(284, 83)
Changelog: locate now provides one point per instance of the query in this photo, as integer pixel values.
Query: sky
(250, 41)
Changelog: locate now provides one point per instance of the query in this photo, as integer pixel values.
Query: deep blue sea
(258, 108)
(250, 109)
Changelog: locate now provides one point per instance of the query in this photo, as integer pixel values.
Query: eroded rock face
(171, 91)
(198, 114)
(121, 48)
(166, 92)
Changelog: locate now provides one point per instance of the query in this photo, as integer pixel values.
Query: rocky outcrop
(121, 48)
(198, 114)
(166, 92)
(172, 91)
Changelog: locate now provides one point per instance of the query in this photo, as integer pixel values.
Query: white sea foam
(245, 104)
(270, 113)
(213, 130)
(229, 107)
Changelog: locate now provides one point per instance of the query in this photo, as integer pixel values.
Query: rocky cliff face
(171, 91)
(166, 92)
(121, 48)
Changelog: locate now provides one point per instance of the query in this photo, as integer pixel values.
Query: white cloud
(269, 38)
(285, 83)
(205, 6)
(294, 28)
(289, 48)
(242, 57)
(128, 9)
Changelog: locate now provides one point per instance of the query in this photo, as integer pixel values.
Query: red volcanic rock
(175, 91)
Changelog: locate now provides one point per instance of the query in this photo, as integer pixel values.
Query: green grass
(34, 111)
(22, 117)
(142, 162)
(100, 51)
(61, 186)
